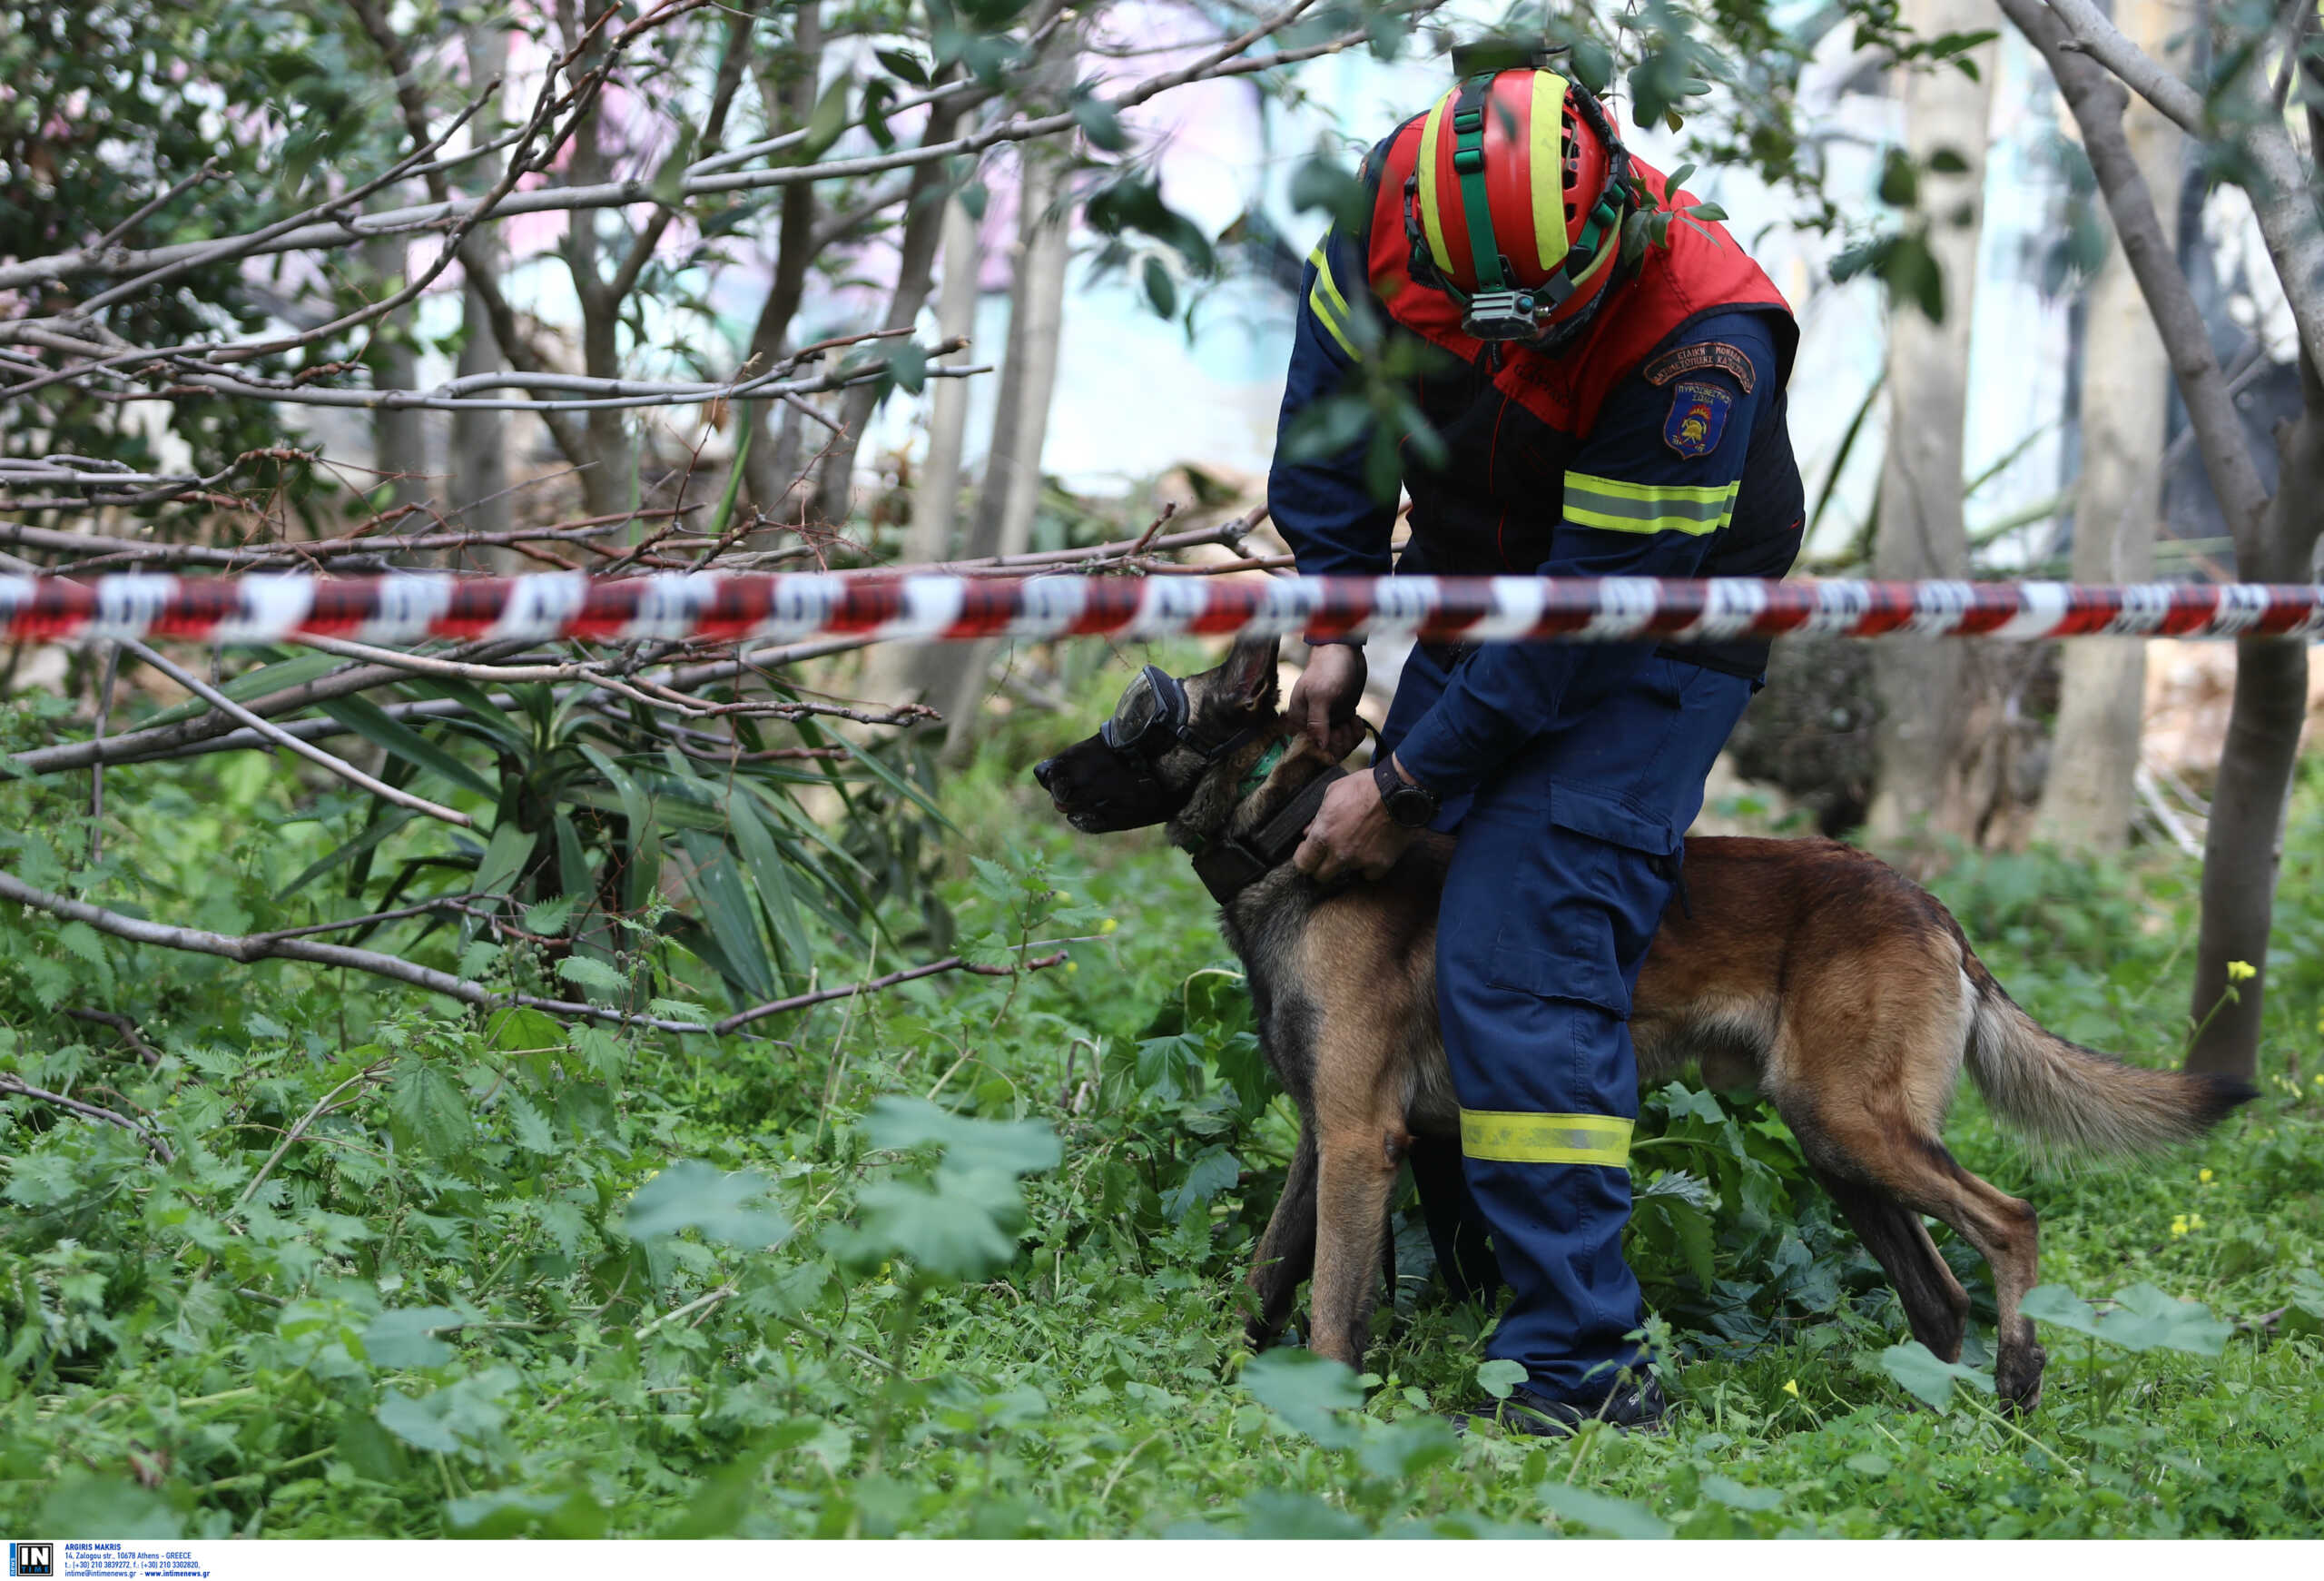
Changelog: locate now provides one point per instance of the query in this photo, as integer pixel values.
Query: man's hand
(1351, 834)
(1323, 703)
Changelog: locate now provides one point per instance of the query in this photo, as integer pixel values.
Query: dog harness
(1231, 864)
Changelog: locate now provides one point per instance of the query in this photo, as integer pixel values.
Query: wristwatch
(1410, 805)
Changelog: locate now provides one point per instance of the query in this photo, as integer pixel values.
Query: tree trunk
(924, 210)
(1012, 474)
(398, 442)
(479, 442)
(788, 85)
(2087, 800)
(936, 498)
(1920, 532)
(2244, 846)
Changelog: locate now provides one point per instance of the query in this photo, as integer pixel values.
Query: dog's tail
(2078, 1098)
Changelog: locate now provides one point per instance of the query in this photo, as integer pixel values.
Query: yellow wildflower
(2205, 1176)
(2195, 1221)
(2241, 971)
(1791, 1388)
(2179, 1225)
(1072, 966)
(1108, 925)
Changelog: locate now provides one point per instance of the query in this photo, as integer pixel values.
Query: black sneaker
(1634, 1406)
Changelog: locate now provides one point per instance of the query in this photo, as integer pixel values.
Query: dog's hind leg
(1935, 1303)
(1286, 1252)
(2005, 1233)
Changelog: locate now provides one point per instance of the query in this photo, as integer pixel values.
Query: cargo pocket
(1610, 872)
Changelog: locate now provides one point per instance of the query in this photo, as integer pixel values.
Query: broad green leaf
(1616, 1517)
(961, 1228)
(252, 684)
(549, 917)
(1500, 1376)
(1926, 1378)
(690, 1195)
(1018, 1147)
(592, 973)
(504, 859)
(404, 1336)
(1734, 1494)
(726, 909)
(431, 1108)
(1213, 1170)
(1308, 1392)
(388, 733)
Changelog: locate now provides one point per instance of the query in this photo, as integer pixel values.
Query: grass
(961, 1260)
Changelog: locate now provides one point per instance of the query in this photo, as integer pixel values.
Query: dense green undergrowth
(962, 1259)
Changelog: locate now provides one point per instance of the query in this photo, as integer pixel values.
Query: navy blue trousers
(1566, 858)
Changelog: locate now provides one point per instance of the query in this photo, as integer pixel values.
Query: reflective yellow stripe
(1330, 307)
(1611, 505)
(1323, 278)
(1546, 1139)
(1428, 215)
(1549, 169)
(1323, 317)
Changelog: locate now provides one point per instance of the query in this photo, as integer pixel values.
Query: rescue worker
(1597, 416)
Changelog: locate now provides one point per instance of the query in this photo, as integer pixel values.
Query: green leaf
(1500, 1376)
(726, 909)
(1616, 1517)
(82, 1504)
(1014, 1147)
(1322, 182)
(590, 973)
(693, 1196)
(431, 1108)
(1159, 289)
(827, 122)
(1308, 1392)
(388, 733)
(1926, 1378)
(1734, 1494)
(770, 877)
(251, 685)
(1900, 181)
(669, 188)
(504, 859)
(404, 1337)
(1212, 1170)
(1100, 124)
(2141, 1319)
(903, 63)
(961, 1228)
(415, 1424)
(549, 917)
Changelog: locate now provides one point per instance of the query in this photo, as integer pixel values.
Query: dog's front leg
(1355, 1171)
(1287, 1250)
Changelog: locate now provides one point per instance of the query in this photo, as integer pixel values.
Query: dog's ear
(1248, 675)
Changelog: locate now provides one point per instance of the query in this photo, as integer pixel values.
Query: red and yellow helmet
(1515, 204)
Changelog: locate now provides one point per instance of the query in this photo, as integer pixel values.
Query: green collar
(1256, 774)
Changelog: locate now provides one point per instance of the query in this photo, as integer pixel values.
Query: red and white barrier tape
(403, 610)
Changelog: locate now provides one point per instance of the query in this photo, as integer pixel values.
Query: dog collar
(1233, 862)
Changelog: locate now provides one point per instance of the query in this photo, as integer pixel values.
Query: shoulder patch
(1718, 354)
(1698, 417)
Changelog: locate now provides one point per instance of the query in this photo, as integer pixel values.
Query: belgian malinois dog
(1818, 974)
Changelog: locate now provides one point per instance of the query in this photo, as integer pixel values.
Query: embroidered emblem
(1717, 354)
(1698, 417)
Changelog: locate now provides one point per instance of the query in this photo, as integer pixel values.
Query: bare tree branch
(152, 1138)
